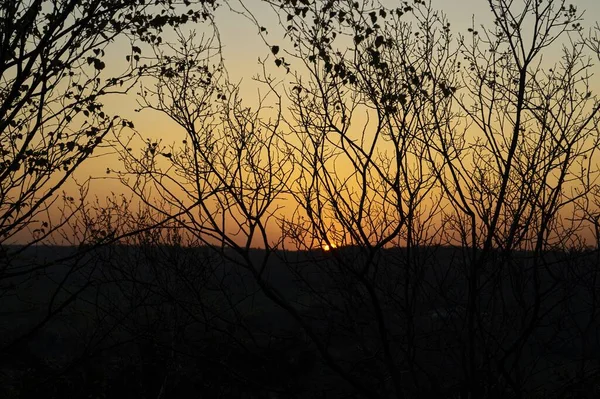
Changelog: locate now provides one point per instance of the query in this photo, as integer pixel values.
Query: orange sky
(241, 48)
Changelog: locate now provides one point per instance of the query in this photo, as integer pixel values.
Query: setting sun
(326, 247)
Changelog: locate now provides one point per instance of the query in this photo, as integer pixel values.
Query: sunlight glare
(327, 247)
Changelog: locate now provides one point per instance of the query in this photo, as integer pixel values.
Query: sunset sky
(242, 46)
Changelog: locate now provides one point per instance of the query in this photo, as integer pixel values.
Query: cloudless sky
(460, 12)
(243, 46)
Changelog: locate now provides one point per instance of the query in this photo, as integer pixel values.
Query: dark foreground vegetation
(174, 322)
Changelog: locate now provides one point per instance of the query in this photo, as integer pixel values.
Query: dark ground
(184, 323)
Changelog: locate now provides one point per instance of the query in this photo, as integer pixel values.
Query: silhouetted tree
(60, 62)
